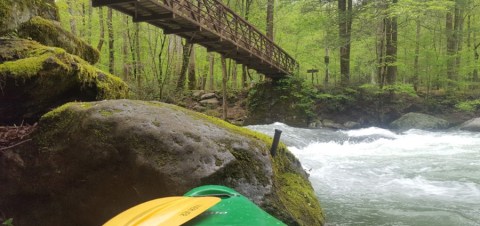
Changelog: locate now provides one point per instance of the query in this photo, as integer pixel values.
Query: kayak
(209, 205)
(233, 209)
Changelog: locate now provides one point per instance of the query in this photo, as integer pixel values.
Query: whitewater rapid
(374, 176)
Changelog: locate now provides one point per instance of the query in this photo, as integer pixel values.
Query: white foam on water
(420, 177)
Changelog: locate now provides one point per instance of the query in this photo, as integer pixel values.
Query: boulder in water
(89, 161)
(419, 121)
(471, 125)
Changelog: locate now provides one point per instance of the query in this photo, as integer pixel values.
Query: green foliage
(289, 99)
(469, 106)
(8, 222)
(401, 89)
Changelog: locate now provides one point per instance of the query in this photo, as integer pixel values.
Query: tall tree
(387, 43)
(187, 48)
(102, 29)
(125, 41)
(453, 30)
(138, 61)
(345, 32)
(391, 29)
(224, 87)
(416, 65)
(270, 12)
(211, 78)
(111, 48)
(192, 80)
(73, 23)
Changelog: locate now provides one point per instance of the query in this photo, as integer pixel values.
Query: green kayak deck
(234, 209)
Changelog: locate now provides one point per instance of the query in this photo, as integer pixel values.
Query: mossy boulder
(13, 13)
(419, 121)
(288, 100)
(35, 78)
(50, 33)
(89, 161)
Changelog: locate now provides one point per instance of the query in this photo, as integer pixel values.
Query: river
(374, 176)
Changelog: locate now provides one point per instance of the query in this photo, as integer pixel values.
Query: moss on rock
(15, 12)
(50, 33)
(35, 78)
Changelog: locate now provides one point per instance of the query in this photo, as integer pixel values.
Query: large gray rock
(471, 125)
(419, 121)
(89, 161)
(36, 78)
(13, 13)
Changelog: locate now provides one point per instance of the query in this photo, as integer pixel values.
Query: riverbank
(341, 108)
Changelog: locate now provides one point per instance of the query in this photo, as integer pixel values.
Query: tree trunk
(450, 33)
(224, 87)
(211, 80)
(327, 61)
(102, 29)
(270, 12)
(234, 75)
(458, 34)
(83, 31)
(138, 62)
(380, 45)
(391, 47)
(416, 70)
(90, 30)
(187, 47)
(476, 62)
(111, 49)
(192, 80)
(71, 11)
(126, 68)
(345, 27)
(244, 76)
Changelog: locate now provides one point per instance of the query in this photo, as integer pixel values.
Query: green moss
(54, 114)
(23, 68)
(86, 105)
(51, 34)
(468, 106)
(106, 113)
(296, 194)
(54, 123)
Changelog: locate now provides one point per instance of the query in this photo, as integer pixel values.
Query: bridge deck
(213, 25)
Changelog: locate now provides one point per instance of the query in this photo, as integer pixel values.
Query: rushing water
(377, 177)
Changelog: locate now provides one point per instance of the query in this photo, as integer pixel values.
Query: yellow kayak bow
(164, 211)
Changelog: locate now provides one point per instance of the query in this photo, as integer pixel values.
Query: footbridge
(213, 25)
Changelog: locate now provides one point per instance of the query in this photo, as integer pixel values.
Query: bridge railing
(214, 16)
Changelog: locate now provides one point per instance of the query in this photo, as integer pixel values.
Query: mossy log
(35, 78)
(50, 33)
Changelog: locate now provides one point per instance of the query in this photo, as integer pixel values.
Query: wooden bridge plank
(98, 3)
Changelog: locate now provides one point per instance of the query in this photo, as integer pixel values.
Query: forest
(423, 46)
(428, 44)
